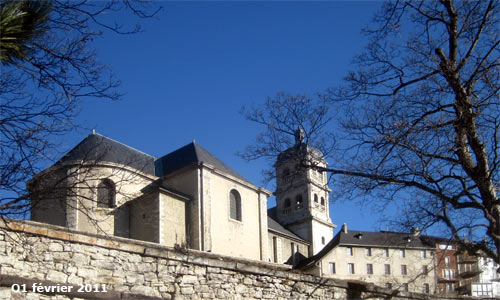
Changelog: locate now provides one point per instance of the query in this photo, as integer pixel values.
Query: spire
(299, 136)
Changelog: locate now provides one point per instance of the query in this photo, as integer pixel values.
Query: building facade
(461, 274)
(446, 267)
(393, 260)
(478, 276)
(187, 198)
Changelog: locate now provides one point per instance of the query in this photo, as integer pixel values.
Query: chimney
(344, 228)
(415, 231)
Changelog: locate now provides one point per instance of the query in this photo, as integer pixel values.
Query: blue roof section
(96, 147)
(355, 238)
(190, 154)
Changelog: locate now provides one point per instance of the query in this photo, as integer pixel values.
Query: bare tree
(49, 68)
(418, 119)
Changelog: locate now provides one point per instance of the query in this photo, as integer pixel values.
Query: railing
(466, 259)
(468, 271)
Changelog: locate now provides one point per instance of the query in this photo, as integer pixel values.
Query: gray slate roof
(381, 239)
(355, 238)
(190, 154)
(298, 152)
(96, 147)
(274, 225)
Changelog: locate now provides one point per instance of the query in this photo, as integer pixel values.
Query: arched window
(235, 205)
(106, 193)
(287, 202)
(322, 201)
(299, 201)
(316, 198)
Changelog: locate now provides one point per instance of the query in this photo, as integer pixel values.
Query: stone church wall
(39, 261)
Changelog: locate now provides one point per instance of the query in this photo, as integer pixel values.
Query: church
(187, 198)
(191, 199)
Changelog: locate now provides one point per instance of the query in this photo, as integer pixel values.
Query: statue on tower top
(299, 136)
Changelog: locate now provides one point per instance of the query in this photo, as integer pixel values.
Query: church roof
(274, 225)
(299, 151)
(190, 154)
(96, 147)
(383, 239)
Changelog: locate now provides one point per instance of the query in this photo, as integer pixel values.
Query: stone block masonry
(39, 261)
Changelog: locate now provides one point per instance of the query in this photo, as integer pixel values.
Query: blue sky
(196, 64)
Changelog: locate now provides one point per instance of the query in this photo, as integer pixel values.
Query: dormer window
(106, 194)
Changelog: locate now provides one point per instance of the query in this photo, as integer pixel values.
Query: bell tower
(302, 193)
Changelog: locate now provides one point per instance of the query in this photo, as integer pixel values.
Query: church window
(299, 201)
(235, 205)
(316, 198)
(322, 201)
(287, 202)
(105, 194)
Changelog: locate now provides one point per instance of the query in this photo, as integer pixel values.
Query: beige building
(388, 259)
(188, 198)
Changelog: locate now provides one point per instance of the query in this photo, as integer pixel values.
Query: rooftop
(190, 154)
(96, 147)
(274, 225)
(382, 239)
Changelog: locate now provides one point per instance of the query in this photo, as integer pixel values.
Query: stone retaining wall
(39, 261)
